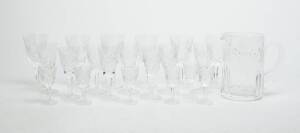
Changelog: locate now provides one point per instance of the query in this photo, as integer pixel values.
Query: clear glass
(73, 55)
(42, 54)
(130, 75)
(109, 54)
(187, 63)
(149, 48)
(202, 59)
(130, 70)
(215, 48)
(243, 66)
(169, 60)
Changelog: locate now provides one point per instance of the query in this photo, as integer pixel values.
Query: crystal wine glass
(72, 56)
(130, 69)
(170, 64)
(202, 58)
(109, 53)
(42, 54)
(149, 48)
(186, 60)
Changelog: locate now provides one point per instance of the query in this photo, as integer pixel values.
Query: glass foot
(196, 91)
(151, 96)
(128, 92)
(72, 97)
(204, 101)
(51, 102)
(108, 96)
(172, 101)
(130, 101)
(83, 102)
(52, 91)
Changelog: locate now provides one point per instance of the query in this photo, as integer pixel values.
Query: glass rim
(112, 36)
(243, 34)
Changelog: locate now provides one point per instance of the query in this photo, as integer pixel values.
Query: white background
(279, 20)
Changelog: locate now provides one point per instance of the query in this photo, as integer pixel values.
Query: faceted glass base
(240, 97)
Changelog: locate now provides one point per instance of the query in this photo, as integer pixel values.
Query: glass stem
(71, 83)
(204, 93)
(110, 85)
(147, 76)
(83, 93)
(172, 92)
(182, 73)
(130, 92)
(148, 82)
(49, 93)
(96, 78)
(36, 73)
(111, 82)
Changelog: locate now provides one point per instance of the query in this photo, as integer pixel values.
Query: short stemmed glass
(186, 61)
(42, 54)
(149, 48)
(109, 54)
(202, 58)
(130, 69)
(72, 56)
(170, 64)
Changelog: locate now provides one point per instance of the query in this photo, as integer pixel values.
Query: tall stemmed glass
(202, 57)
(109, 53)
(170, 64)
(149, 48)
(186, 60)
(73, 55)
(42, 55)
(130, 69)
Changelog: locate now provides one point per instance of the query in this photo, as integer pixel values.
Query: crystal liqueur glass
(109, 54)
(202, 59)
(42, 55)
(129, 68)
(170, 64)
(149, 48)
(73, 55)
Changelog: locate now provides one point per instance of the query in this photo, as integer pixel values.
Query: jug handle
(280, 53)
